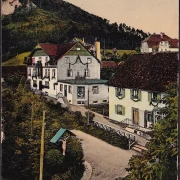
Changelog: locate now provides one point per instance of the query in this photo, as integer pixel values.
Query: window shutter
(149, 96)
(123, 93)
(131, 93)
(115, 91)
(158, 96)
(115, 109)
(123, 110)
(139, 95)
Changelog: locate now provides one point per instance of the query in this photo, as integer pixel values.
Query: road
(107, 162)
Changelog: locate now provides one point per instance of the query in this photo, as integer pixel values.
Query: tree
(159, 162)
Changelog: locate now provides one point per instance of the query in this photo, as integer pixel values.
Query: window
(34, 83)
(104, 100)
(46, 84)
(120, 92)
(80, 102)
(29, 71)
(33, 60)
(61, 87)
(80, 92)
(40, 58)
(46, 59)
(53, 73)
(154, 96)
(69, 73)
(135, 95)
(34, 72)
(95, 90)
(48, 72)
(67, 61)
(86, 73)
(119, 109)
(95, 102)
(89, 60)
(70, 89)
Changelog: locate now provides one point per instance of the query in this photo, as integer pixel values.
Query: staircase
(139, 148)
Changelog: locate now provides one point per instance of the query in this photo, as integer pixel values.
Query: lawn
(17, 60)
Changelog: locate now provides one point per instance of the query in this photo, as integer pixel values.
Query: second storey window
(80, 92)
(69, 73)
(46, 72)
(95, 90)
(86, 73)
(135, 95)
(53, 73)
(120, 92)
(67, 61)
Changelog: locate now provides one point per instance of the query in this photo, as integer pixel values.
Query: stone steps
(139, 148)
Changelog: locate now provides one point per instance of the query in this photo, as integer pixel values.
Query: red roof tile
(155, 39)
(174, 43)
(147, 71)
(108, 64)
(57, 50)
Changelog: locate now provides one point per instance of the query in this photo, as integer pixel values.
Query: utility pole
(88, 108)
(42, 147)
(32, 116)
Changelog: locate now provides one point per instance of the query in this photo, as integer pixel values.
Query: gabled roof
(154, 40)
(56, 49)
(108, 64)
(147, 72)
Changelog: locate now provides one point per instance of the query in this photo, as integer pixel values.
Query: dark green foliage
(56, 21)
(101, 109)
(21, 150)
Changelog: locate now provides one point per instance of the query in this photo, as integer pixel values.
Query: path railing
(131, 137)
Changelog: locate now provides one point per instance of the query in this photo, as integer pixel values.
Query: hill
(57, 21)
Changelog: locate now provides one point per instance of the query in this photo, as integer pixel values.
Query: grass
(17, 60)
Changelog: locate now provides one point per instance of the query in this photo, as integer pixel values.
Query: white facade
(141, 109)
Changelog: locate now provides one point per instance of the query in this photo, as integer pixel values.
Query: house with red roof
(137, 90)
(159, 43)
(68, 72)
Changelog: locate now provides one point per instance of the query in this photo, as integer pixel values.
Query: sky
(152, 16)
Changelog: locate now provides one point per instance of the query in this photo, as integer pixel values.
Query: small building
(137, 89)
(159, 43)
(67, 71)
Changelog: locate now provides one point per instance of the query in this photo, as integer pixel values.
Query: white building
(159, 43)
(137, 89)
(67, 71)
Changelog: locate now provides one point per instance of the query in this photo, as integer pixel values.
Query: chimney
(161, 34)
(98, 53)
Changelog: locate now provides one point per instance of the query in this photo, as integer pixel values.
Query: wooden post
(42, 148)
(88, 108)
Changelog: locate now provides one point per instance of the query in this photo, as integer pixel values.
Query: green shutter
(123, 110)
(115, 109)
(131, 93)
(123, 93)
(115, 91)
(158, 96)
(139, 95)
(149, 96)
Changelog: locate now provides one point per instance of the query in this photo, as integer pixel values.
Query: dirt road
(107, 162)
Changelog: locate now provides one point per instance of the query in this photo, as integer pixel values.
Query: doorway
(135, 116)
(40, 85)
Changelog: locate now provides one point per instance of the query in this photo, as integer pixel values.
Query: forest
(57, 21)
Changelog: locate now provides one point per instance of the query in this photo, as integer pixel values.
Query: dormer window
(120, 92)
(89, 60)
(86, 73)
(135, 95)
(67, 61)
(69, 73)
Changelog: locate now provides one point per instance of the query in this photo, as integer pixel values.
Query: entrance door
(40, 85)
(136, 116)
(65, 90)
